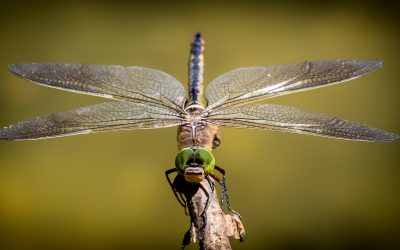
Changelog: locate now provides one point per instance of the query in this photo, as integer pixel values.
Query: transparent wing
(96, 118)
(276, 117)
(133, 84)
(245, 85)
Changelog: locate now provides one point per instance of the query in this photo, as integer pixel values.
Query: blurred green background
(108, 191)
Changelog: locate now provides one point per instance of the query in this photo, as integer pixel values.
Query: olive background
(108, 190)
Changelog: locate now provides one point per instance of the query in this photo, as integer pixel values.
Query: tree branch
(209, 225)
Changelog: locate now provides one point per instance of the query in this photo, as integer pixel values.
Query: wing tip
(18, 69)
(24, 69)
(375, 63)
(7, 135)
(378, 135)
(4, 136)
(13, 68)
(386, 137)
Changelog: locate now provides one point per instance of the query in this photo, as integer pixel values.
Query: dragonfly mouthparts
(194, 173)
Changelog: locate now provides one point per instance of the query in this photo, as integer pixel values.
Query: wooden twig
(209, 225)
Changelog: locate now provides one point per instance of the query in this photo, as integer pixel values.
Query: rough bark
(210, 226)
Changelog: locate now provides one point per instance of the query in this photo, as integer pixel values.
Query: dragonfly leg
(178, 195)
(204, 213)
(222, 184)
(212, 186)
(182, 201)
(224, 190)
(186, 238)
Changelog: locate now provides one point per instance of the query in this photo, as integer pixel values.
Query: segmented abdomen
(196, 69)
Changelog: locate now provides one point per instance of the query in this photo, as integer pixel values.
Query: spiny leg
(188, 234)
(224, 190)
(184, 203)
(212, 186)
(178, 195)
(189, 203)
(204, 213)
(223, 185)
(186, 237)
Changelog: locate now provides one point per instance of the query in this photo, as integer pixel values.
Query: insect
(148, 98)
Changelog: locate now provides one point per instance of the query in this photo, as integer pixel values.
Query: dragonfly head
(194, 163)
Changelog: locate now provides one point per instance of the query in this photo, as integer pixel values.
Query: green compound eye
(203, 157)
(183, 159)
(200, 157)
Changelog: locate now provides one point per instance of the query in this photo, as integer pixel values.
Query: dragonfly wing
(96, 118)
(133, 84)
(277, 117)
(245, 85)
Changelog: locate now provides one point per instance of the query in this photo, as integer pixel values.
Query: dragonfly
(145, 98)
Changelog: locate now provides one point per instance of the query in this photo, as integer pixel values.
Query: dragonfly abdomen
(196, 69)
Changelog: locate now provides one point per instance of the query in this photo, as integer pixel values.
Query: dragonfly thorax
(196, 131)
(195, 117)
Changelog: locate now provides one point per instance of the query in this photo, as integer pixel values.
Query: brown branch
(209, 225)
